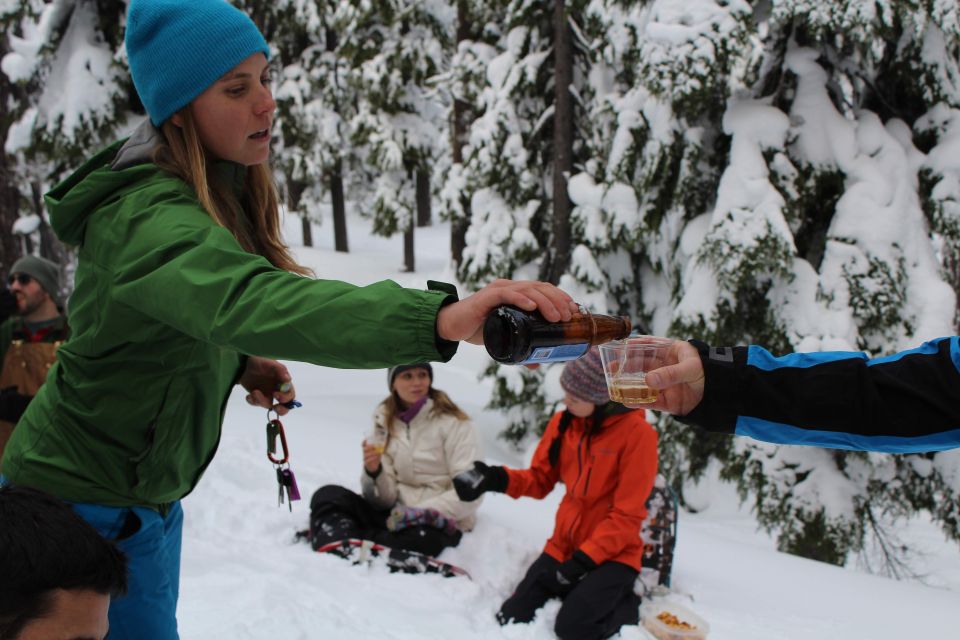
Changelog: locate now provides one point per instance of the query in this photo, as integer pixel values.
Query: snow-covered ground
(244, 577)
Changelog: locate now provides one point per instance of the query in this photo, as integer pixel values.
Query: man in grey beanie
(28, 339)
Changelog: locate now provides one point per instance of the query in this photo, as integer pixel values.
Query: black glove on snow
(471, 484)
(569, 573)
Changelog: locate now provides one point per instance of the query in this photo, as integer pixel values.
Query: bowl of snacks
(671, 621)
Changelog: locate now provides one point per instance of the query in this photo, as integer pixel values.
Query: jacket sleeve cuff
(446, 348)
(584, 560)
(722, 388)
(244, 358)
(497, 479)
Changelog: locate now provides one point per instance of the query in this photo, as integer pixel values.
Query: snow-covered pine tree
(66, 93)
(814, 235)
(315, 103)
(478, 28)
(508, 174)
(401, 119)
(504, 173)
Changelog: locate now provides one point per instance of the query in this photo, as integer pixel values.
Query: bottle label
(558, 353)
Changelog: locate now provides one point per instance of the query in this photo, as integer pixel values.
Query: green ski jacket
(165, 307)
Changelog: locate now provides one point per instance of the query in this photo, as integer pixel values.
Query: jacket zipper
(576, 520)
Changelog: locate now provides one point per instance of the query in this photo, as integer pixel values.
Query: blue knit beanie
(178, 48)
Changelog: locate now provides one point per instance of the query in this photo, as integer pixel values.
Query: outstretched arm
(908, 402)
(463, 320)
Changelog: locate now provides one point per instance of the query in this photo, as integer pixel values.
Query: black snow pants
(595, 608)
(337, 513)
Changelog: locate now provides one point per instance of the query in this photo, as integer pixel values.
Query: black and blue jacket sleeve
(908, 402)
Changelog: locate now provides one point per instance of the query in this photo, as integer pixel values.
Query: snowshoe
(397, 560)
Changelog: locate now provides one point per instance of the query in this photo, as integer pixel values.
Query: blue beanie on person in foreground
(178, 48)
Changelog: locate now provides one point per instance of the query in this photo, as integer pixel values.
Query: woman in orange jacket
(606, 456)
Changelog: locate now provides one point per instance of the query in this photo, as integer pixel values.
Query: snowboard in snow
(369, 552)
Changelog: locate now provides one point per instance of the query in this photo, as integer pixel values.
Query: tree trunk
(424, 216)
(336, 174)
(339, 208)
(295, 189)
(408, 260)
(9, 193)
(50, 246)
(307, 230)
(562, 142)
(458, 227)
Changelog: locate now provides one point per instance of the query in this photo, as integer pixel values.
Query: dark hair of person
(44, 546)
(594, 423)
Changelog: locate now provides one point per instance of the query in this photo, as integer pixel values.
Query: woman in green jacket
(184, 288)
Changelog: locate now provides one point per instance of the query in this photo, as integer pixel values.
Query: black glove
(471, 484)
(569, 573)
(13, 404)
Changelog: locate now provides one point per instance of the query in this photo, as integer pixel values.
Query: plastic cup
(626, 363)
(377, 438)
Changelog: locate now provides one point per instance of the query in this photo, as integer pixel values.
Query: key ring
(275, 427)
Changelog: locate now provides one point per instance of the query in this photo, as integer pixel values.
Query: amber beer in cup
(626, 363)
(377, 438)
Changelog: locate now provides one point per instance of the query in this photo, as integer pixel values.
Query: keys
(273, 430)
(287, 484)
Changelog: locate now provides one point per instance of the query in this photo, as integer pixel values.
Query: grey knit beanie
(584, 378)
(43, 271)
(400, 368)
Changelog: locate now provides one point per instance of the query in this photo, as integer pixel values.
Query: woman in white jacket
(420, 441)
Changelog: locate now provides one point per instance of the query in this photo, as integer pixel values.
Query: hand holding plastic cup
(377, 438)
(626, 363)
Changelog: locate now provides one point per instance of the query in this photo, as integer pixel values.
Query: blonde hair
(442, 405)
(253, 219)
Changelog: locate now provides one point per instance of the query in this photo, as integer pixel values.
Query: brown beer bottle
(515, 336)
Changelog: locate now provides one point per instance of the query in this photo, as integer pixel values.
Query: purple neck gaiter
(411, 412)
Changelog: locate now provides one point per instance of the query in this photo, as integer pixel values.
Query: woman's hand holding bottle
(463, 320)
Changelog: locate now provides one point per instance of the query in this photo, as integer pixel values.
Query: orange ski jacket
(608, 475)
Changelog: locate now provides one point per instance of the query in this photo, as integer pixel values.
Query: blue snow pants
(151, 542)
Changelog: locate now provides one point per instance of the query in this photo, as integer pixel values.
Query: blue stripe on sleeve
(778, 433)
(927, 348)
(762, 359)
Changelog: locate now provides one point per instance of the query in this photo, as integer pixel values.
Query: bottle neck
(607, 328)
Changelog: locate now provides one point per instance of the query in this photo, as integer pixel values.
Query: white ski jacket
(420, 461)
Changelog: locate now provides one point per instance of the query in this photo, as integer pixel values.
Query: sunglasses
(22, 278)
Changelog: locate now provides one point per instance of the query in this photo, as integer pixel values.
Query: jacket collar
(143, 142)
(139, 147)
(613, 412)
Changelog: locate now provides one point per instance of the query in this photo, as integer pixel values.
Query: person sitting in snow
(606, 456)
(421, 441)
